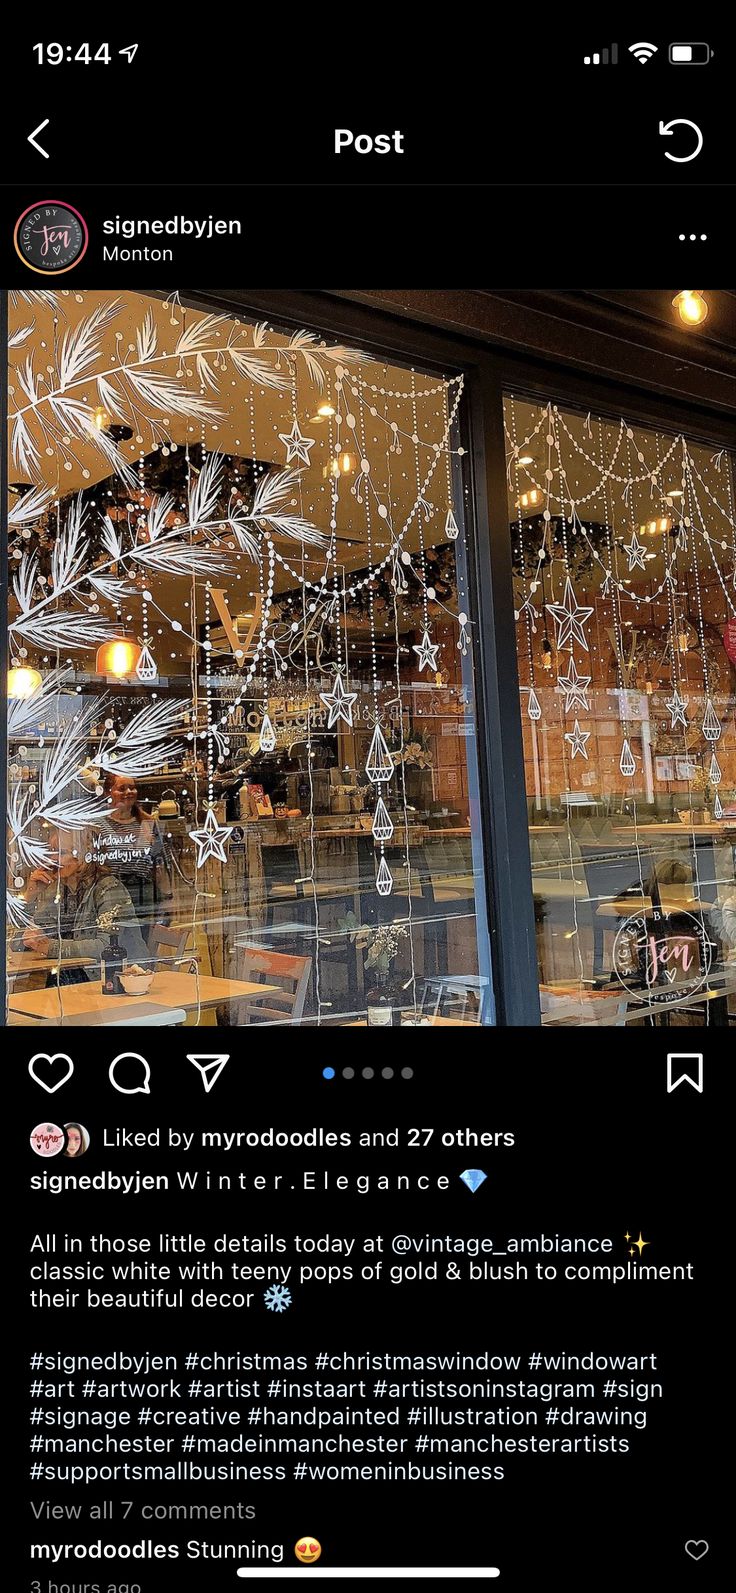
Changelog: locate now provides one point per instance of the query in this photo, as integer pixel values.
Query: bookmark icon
(685, 1067)
(210, 1064)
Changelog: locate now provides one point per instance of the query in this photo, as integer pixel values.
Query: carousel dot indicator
(348, 1073)
(407, 1073)
(328, 1073)
(368, 1073)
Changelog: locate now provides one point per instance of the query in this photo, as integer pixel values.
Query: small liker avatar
(47, 1139)
(77, 1139)
(308, 1550)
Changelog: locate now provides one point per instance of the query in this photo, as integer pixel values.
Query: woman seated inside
(140, 862)
(102, 905)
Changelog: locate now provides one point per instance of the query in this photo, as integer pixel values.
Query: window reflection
(623, 547)
(242, 774)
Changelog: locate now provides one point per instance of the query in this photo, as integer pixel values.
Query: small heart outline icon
(56, 248)
(43, 1056)
(696, 1548)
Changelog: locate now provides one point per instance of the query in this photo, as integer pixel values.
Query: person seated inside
(141, 862)
(102, 904)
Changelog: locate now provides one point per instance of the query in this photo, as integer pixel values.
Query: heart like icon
(43, 1060)
(210, 1065)
(696, 1548)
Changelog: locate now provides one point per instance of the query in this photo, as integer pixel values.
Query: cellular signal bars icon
(606, 57)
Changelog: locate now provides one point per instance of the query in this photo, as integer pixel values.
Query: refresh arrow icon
(666, 130)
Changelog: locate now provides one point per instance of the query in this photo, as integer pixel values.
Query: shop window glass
(242, 772)
(623, 549)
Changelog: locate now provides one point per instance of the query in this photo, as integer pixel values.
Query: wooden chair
(274, 967)
(167, 945)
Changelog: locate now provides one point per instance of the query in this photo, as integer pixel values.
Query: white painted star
(426, 652)
(677, 707)
(577, 739)
(569, 618)
(636, 553)
(211, 840)
(575, 687)
(297, 447)
(340, 703)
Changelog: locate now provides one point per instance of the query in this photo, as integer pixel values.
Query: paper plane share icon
(210, 1064)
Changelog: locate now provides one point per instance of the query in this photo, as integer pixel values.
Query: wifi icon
(643, 52)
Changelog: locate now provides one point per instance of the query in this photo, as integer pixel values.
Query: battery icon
(690, 54)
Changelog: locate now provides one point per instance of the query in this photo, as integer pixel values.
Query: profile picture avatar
(77, 1139)
(47, 1139)
(51, 237)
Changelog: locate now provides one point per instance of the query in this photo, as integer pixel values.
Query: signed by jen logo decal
(51, 237)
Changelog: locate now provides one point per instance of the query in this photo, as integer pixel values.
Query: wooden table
(169, 989)
(627, 1006)
(435, 1023)
(687, 830)
(23, 962)
(148, 1016)
(672, 899)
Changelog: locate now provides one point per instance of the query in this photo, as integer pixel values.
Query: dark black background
(600, 1148)
(516, 154)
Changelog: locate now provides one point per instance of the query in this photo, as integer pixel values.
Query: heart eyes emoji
(308, 1550)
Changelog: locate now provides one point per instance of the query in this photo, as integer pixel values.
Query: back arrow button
(32, 138)
(666, 129)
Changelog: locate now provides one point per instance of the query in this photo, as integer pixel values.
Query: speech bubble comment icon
(141, 1080)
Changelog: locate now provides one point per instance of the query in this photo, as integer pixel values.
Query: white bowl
(136, 984)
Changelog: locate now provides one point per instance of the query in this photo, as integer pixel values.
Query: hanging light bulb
(691, 306)
(343, 464)
(684, 637)
(546, 653)
(22, 682)
(119, 656)
(102, 418)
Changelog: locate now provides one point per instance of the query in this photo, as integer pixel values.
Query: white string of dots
(696, 509)
(421, 516)
(616, 597)
(701, 619)
(525, 607)
(383, 872)
(359, 389)
(607, 473)
(357, 586)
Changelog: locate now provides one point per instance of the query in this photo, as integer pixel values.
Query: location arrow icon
(210, 1064)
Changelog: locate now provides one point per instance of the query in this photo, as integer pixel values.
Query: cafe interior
(248, 759)
(623, 551)
(242, 782)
